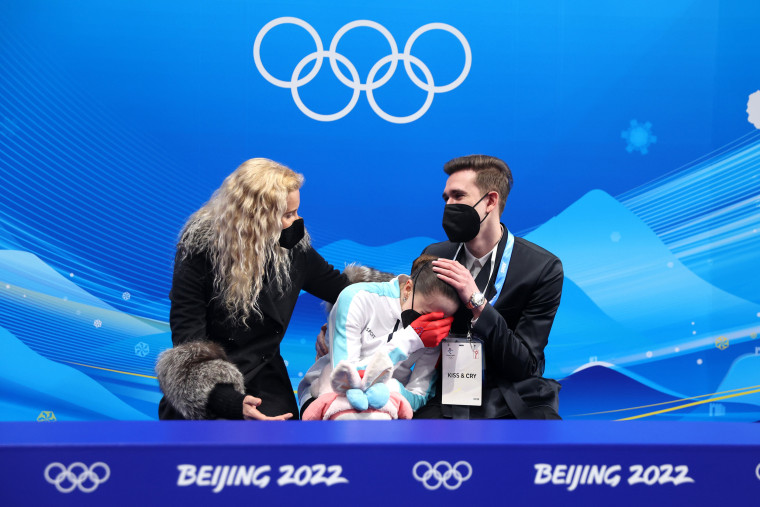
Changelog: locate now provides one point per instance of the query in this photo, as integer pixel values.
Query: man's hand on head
(459, 277)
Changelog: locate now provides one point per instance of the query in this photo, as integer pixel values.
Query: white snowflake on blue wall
(142, 349)
(639, 137)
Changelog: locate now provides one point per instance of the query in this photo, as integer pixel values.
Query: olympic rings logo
(442, 473)
(77, 475)
(355, 83)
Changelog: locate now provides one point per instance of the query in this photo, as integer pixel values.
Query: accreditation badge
(462, 370)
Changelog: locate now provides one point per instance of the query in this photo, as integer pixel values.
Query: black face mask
(410, 315)
(461, 222)
(290, 236)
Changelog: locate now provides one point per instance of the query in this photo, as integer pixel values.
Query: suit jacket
(197, 315)
(515, 331)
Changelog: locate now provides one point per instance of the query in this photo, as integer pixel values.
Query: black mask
(290, 236)
(461, 222)
(410, 315)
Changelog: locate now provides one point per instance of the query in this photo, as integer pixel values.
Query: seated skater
(383, 348)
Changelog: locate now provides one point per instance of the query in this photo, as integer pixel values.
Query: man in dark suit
(511, 288)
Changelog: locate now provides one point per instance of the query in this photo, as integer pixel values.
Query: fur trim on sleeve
(357, 273)
(187, 373)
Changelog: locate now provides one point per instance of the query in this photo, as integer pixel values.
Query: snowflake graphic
(46, 416)
(721, 342)
(125, 296)
(142, 349)
(639, 137)
(97, 323)
(753, 109)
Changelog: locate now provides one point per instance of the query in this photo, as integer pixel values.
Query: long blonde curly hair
(239, 229)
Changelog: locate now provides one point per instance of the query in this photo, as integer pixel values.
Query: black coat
(515, 331)
(196, 315)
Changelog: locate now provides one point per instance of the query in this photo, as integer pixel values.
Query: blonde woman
(242, 260)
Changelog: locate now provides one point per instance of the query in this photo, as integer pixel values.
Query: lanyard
(501, 274)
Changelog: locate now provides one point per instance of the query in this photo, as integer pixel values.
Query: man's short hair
(491, 174)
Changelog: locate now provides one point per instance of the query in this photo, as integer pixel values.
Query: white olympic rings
(296, 80)
(432, 471)
(76, 475)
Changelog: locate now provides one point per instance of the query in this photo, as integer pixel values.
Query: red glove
(432, 328)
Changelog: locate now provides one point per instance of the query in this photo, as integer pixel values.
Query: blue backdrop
(631, 128)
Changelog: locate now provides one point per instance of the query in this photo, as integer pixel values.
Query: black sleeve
(518, 354)
(224, 402)
(189, 298)
(322, 279)
(190, 294)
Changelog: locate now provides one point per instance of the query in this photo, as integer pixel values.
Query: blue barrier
(376, 463)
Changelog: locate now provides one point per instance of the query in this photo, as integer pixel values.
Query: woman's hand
(251, 411)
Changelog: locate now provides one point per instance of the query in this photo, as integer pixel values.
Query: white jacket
(362, 322)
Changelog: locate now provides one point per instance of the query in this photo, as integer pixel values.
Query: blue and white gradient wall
(631, 128)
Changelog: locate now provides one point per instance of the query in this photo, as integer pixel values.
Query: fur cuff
(357, 273)
(189, 372)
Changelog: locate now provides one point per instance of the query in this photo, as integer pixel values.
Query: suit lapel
(491, 289)
(514, 271)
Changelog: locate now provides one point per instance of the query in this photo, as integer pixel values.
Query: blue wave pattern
(629, 304)
(708, 215)
(31, 384)
(655, 277)
(629, 274)
(48, 318)
(632, 303)
(56, 149)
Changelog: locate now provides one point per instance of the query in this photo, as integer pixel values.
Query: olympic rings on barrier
(66, 479)
(296, 80)
(432, 471)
